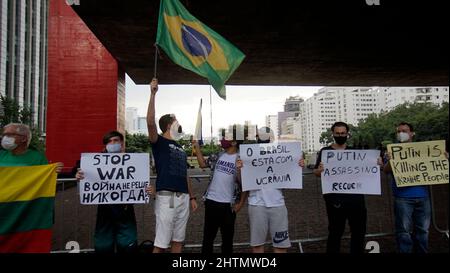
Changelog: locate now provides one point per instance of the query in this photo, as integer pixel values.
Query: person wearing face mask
(173, 187)
(267, 210)
(412, 207)
(222, 198)
(342, 207)
(15, 150)
(115, 228)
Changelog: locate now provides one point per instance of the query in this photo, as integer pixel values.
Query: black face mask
(340, 139)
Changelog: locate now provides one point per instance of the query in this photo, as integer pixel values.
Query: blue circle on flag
(195, 42)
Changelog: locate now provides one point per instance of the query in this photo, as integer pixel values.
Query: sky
(252, 103)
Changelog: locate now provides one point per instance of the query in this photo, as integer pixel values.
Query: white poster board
(351, 171)
(271, 165)
(114, 178)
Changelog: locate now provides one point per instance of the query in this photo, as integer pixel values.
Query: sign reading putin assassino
(351, 171)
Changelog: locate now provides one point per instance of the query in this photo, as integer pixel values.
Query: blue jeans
(412, 220)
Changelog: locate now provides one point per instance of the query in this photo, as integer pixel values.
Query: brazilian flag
(196, 47)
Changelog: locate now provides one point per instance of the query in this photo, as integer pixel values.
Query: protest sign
(419, 163)
(271, 165)
(114, 178)
(351, 171)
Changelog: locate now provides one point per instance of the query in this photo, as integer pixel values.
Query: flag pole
(210, 110)
(156, 61)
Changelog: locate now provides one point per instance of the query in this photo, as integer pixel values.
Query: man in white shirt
(267, 211)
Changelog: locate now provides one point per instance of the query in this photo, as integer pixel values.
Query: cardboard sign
(114, 178)
(419, 163)
(351, 171)
(271, 165)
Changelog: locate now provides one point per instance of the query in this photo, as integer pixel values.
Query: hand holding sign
(272, 165)
(118, 178)
(419, 163)
(301, 163)
(350, 171)
(79, 175)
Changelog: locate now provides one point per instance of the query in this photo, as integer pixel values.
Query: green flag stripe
(26, 215)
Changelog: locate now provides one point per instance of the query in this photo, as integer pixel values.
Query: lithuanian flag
(27, 196)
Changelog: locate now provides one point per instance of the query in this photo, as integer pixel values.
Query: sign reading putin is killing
(114, 178)
(271, 165)
(419, 163)
(351, 171)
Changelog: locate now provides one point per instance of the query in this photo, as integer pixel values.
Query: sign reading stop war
(272, 165)
(419, 163)
(114, 178)
(351, 171)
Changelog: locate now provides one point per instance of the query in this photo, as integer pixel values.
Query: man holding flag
(27, 193)
(173, 187)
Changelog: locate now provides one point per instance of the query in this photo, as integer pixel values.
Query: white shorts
(171, 221)
(273, 220)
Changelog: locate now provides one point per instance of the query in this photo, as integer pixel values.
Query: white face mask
(176, 131)
(9, 143)
(114, 148)
(402, 137)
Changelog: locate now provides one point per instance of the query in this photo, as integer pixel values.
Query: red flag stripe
(34, 241)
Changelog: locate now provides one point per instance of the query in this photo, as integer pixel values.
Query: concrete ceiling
(286, 42)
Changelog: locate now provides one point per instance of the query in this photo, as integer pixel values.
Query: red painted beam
(84, 87)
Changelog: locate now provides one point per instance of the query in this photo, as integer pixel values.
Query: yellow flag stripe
(27, 183)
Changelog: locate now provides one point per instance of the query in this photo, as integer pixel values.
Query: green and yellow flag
(27, 196)
(196, 47)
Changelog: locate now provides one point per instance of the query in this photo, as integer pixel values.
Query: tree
(326, 138)
(137, 143)
(210, 148)
(430, 122)
(12, 112)
(186, 144)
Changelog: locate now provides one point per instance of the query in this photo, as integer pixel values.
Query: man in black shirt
(342, 207)
(173, 187)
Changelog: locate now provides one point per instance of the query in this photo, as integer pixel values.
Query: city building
(131, 119)
(395, 96)
(331, 104)
(142, 125)
(354, 104)
(272, 123)
(23, 55)
(292, 108)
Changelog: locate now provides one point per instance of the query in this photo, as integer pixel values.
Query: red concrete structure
(86, 88)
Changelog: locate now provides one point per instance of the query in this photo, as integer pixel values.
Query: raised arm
(198, 153)
(151, 125)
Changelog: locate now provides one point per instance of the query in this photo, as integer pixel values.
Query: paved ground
(307, 220)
